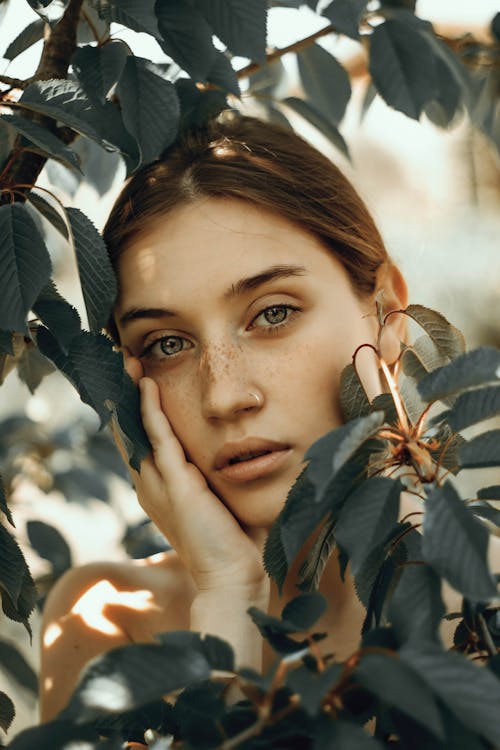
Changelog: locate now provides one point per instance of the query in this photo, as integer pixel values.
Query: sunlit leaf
(481, 452)
(472, 407)
(478, 367)
(33, 367)
(239, 24)
(3, 504)
(186, 37)
(353, 399)
(449, 340)
(455, 544)
(99, 68)
(24, 266)
(485, 510)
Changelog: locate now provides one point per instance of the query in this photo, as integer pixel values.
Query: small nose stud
(256, 396)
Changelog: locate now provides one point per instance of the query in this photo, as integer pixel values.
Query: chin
(257, 505)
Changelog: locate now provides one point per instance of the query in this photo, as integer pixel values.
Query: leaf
(217, 652)
(472, 693)
(131, 676)
(401, 687)
(481, 452)
(340, 734)
(198, 713)
(127, 413)
(403, 67)
(472, 407)
(314, 565)
(325, 82)
(485, 510)
(49, 544)
(49, 212)
(57, 315)
(369, 511)
(97, 277)
(17, 589)
(366, 583)
(6, 342)
(26, 38)
(138, 15)
(99, 68)
(345, 15)
(50, 144)
(495, 26)
(489, 493)
(223, 74)
(91, 27)
(267, 78)
(239, 24)
(57, 735)
(478, 367)
(3, 504)
(304, 610)
(150, 107)
(385, 402)
(313, 687)
(91, 365)
(186, 37)
(449, 340)
(309, 113)
(24, 266)
(33, 367)
(455, 544)
(7, 711)
(416, 607)
(14, 663)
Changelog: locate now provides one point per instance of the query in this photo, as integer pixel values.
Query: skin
(236, 362)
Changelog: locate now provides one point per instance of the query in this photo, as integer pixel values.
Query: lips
(253, 458)
(245, 450)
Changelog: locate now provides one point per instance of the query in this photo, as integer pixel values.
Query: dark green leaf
(223, 74)
(50, 144)
(49, 543)
(80, 483)
(309, 113)
(485, 510)
(403, 67)
(6, 343)
(449, 340)
(478, 367)
(150, 107)
(400, 687)
(472, 407)
(49, 212)
(198, 106)
(240, 24)
(57, 314)
(353, 399)
(186, 37)
(267, 78)
(421, 357)
(471, 692)
(91, 27)
(14, 663)
(489, 493)
(7, 140)
(128, 677)
(97, 277)
(416, 607)
(385, 402)
(481, 452)
(7, 711)
(370, 510)
(138, 15)
(25, 39)
(198, 711)
(455, 544)
(325, 81)
(371, 579)
(312, 568)
(17, 589)
(495, 26)
(3, 504)
(313, 687)
(33, 367)
(342, 735)
(345, 15)
(57, 735)
(24, 266)
(304, 610)
(99, 68)
(217, 652)
(127, 414)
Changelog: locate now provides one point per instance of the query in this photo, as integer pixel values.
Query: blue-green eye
(166, 347)
(274, 317)
(171, 344)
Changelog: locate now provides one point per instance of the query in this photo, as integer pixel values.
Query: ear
(393, 295)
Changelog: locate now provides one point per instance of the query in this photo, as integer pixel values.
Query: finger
(132, 364)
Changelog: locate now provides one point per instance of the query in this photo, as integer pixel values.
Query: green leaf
(3, 504)
(49, 544)
(186, 37)
(325, 82)
(17, 589)
(32, 367)
(455, 544)
(314, 565)
(99, 68)
(150, 107)
(481, 452)
(223, 74)
(7, 140)
(7, 711)
(6, 342)
(90, 364)
(449, 340)
(127, 413)
(24, 266)
(345, 15)
(472, 407)
(198, 712)
(489, 493)
(97, 277)
(49, 213)
(58, 735)
(57, 315)
(471, 692)
(401, 687)
(385, 402)
(267, 79)
(217, 652)
(313, 687)
(416, 607)
(309, 113)
(14, 663)
(138, 15)
(485, 510)
(197, 107)
(304, 610)
(132, 676)
(369, 511)
(402, 67)
(50, 144)
(478, 367)
(340, 734)
(240, 24)
(26, 38)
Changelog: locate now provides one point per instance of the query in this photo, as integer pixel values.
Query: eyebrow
(236, 290)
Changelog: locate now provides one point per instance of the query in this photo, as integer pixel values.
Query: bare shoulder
(99, 606)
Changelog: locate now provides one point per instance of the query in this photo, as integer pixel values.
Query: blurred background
(435, 194)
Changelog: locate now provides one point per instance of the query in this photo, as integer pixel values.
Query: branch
(16, 83)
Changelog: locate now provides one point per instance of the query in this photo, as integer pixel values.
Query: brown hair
(248, 159)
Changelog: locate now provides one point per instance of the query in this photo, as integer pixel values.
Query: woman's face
(245, 322)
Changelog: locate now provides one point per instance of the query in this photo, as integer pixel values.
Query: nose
(228, 383)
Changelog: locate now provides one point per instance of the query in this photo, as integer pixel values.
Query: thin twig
(16, 83)
(490, 644)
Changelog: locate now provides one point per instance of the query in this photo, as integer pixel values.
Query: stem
(403, 419)
(16, 83)
(490, 645)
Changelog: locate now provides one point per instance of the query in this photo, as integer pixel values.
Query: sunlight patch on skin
(51, 635)
(90, 607)
(48, 684)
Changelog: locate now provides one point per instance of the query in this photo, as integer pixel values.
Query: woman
(248, 269)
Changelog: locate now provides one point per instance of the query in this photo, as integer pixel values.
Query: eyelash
(268, 330)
